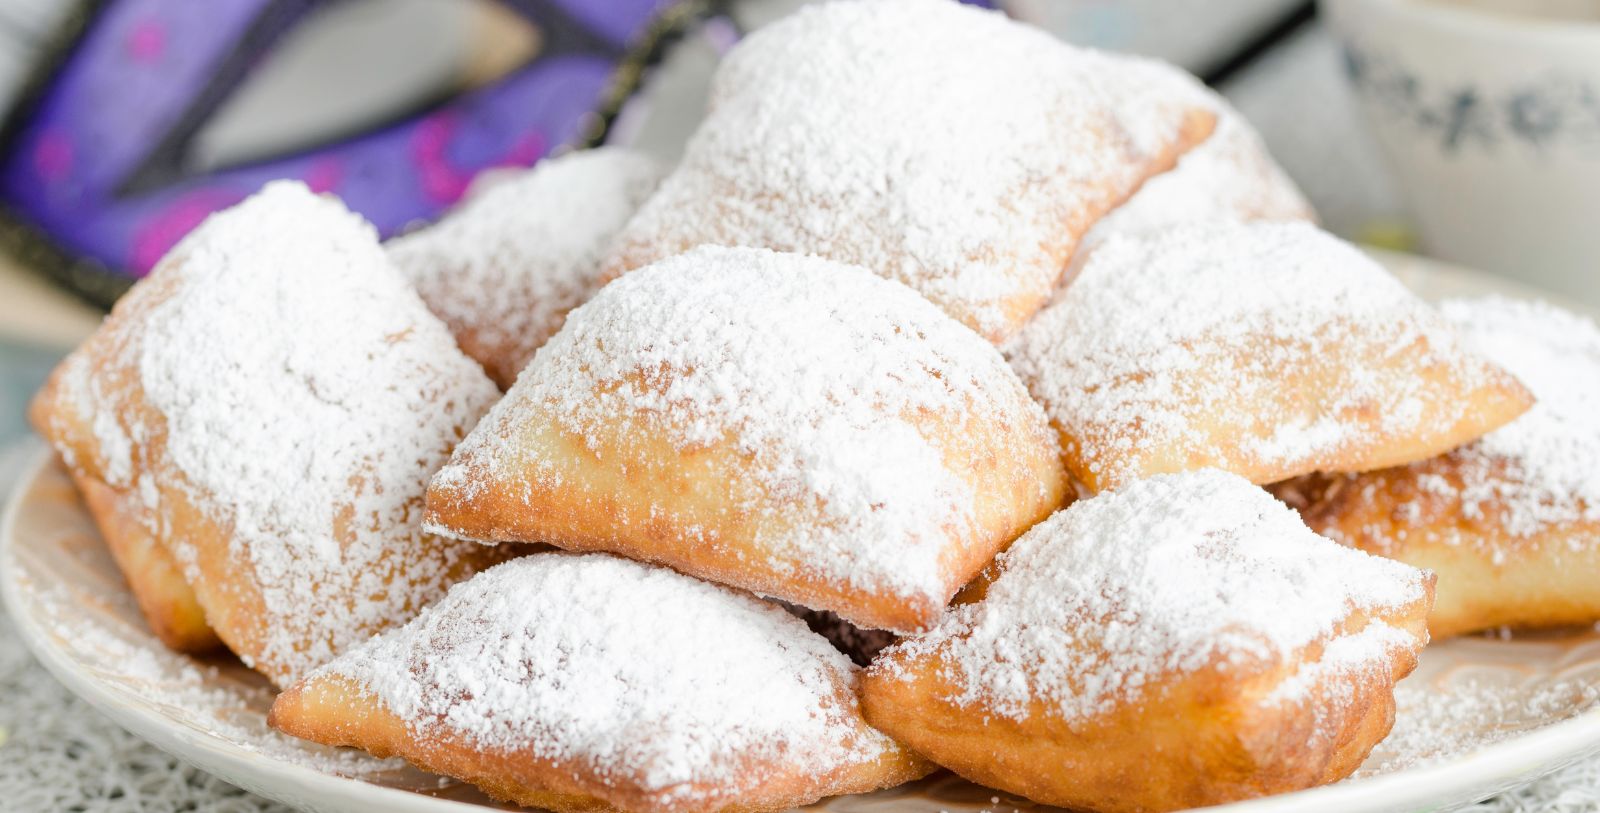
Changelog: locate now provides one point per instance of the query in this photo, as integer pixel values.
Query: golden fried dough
(1182, 641)
(270, 402)
(939, 145)
(786, 424)
(504, 270)
(587, 683)
(1266, 349)
(1511, 522)
(154, 577)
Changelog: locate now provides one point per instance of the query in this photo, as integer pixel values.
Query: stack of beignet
(1511, 521)
(786, 424)
(942, 329)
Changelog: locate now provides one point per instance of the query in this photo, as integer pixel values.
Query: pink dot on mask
(163, 231)
(52, 155)
(324, 175)
(440, 181)
(528, 149)
(147, 41)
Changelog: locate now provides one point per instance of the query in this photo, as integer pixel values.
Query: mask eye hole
(353, 64)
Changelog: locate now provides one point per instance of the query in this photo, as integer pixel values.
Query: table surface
(56, 753)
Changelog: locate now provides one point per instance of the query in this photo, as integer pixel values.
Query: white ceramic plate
(1480, 715)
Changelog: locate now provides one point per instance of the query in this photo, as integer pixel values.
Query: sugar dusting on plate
(1437, 721)
(219, 700)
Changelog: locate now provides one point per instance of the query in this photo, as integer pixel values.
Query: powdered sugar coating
(299, 394)
(643, 676)
(504, 269)
(936, 144)
(112, 453)
(1229, 176)
(1128, 357)
(823, 375)
(1160, 578)
(1543, 469)
(1347, 662)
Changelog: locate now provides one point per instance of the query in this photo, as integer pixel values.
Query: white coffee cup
(1489, 111)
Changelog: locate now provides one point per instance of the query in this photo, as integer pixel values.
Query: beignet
(786, 424)
(273, 398)
(1265, 349)
(587, 682)
(1182, 641)
(1510, 522)
(939, 145)
(504, 269)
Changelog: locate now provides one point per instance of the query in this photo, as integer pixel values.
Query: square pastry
(786, 424)
(1266, 349)
(936, 144)
(267, 407)
(587, 683)
(1188, 630)
(1511, 521)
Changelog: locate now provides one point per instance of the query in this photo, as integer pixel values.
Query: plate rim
(1509, 763)
(208, 752)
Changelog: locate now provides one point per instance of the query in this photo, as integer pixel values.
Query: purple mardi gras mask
(94, 163)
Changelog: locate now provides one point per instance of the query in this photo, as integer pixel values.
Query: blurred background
(129, 120)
